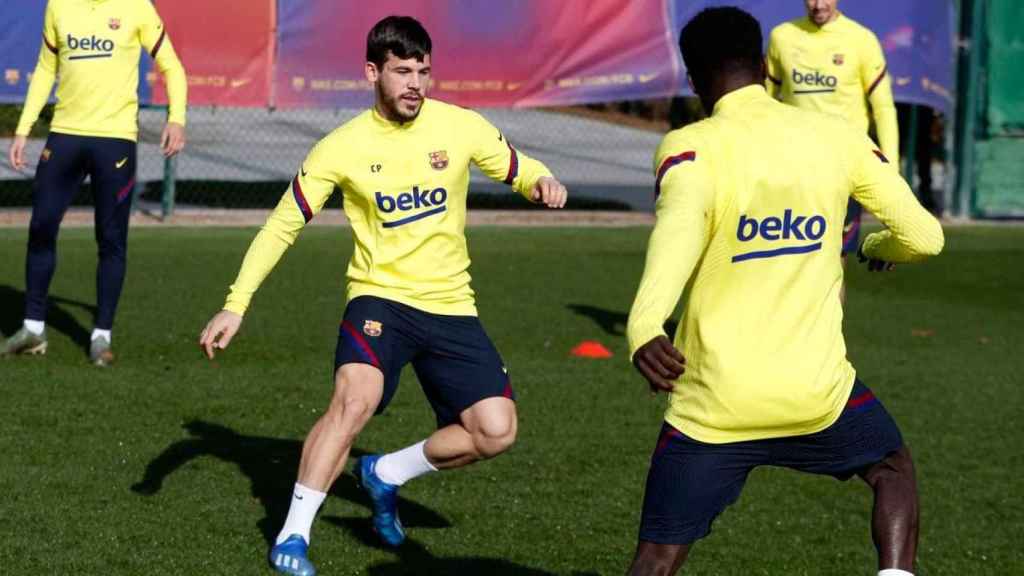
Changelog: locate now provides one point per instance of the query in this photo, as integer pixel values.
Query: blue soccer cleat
(290, 557)
(385, 501)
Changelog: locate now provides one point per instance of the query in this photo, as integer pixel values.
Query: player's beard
(396, 108)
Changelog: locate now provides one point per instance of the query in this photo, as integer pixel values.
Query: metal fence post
(170, 174)
(910, 156)
(967, 109)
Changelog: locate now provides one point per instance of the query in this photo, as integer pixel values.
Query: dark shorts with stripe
(690, 482)
(851, 227)
(455, 361)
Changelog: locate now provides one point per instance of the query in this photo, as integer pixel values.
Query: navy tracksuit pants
(63, 165)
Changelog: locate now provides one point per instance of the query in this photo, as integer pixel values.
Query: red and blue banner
(227, 48)
(293, 53)
(21, 35)
(524, 53)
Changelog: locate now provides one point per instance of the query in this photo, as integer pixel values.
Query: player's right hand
(16, 155)
(219, 331)
(660, 363)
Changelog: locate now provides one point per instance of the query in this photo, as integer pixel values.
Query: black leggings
(63, 165)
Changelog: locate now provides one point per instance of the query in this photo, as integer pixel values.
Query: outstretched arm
(501, 161)
(305, 197)
(912, 233)
(684, 209)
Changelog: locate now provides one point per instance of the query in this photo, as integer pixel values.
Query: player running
(93, 46)
(827, 62)
(758, 373)
(403, 168)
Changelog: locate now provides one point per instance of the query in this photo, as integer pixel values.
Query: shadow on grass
(414, 558)
(613, 322)
(12, 309)
(271, 465)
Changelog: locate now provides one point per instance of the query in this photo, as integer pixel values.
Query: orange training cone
(591, 349)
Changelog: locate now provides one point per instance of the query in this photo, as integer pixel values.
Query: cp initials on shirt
(773, 228)
(426, 198)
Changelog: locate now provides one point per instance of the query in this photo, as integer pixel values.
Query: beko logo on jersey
(817, 81)
(426, 198)
(90, 44)
(774, 228)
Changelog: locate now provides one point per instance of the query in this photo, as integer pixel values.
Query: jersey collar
(739, 98)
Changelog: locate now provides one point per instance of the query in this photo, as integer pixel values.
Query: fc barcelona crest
(114, 23)
(439, 159)
(837, 59)
(372, 328)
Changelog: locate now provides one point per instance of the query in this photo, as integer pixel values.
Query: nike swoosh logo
(120, 163)
(500, 137)
(303, 171)
(297, 497)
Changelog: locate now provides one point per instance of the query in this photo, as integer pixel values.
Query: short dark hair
(721, 40)
(402, 36)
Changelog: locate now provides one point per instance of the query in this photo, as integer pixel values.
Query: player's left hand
(873, 264)
(549, 192)
(660, 363)
(172, 140)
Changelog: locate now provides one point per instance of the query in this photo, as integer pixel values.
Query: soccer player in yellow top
(92, 46)
(758, 373)
(403, 169)
(827, 62)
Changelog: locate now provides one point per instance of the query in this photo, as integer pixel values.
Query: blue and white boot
(384, 497)
(289, 557)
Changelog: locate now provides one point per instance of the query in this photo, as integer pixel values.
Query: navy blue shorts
(851, 227)
(690, 483)
(455, 361)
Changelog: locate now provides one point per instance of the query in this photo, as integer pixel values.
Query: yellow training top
(93, 45)
(404, 189)
(838, 68)
(749, 220)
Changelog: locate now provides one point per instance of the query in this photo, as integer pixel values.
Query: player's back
(762, 328)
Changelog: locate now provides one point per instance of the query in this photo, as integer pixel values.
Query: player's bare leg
(894, 518)
(357, 392)
(487, 429)
(658, 559)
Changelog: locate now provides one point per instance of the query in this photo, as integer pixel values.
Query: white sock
(894, 572)
(35, 326)
(97, 333)
(305, 503)
(399, 467)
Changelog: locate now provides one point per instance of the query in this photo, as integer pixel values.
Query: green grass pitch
(170, 464)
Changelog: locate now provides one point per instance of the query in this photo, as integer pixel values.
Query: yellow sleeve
(912, 233)
(43, 77)
(877, 83)
(303, 200)
(499, 160)
(154, 39)
(683, 213)
(773, 82)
